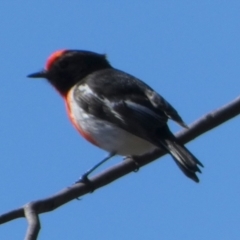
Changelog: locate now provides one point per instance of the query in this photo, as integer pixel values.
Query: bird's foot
(84, 179)
(137, 166)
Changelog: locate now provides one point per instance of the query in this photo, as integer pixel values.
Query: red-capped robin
(114, 110)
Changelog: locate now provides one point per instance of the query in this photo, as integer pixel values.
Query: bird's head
(64, 68)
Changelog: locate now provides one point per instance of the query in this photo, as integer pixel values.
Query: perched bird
(114, 110)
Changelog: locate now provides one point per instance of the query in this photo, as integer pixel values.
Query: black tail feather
(188, 173)
(185, 160)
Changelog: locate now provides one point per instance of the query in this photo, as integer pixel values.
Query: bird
(114, 110)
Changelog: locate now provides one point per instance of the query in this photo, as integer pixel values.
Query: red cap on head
(53, 58)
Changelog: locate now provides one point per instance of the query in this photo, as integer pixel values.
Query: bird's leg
(84, 177)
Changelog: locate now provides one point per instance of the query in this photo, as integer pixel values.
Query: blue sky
(188, 51)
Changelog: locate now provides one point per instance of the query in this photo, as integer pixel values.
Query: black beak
(41, 74)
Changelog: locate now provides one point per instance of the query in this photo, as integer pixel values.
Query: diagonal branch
(31, 210)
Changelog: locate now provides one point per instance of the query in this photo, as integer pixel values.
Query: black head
(64, 68)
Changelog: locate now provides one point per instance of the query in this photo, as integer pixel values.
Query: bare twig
(33, 209)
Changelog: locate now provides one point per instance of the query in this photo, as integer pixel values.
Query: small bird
(114, 110)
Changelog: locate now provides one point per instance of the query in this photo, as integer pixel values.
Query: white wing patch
(111, 106)
(86, 90)
(145, 110)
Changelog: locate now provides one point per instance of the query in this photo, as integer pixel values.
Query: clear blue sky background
(188, 51)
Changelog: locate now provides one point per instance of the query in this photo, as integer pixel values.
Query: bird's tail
(185, 160)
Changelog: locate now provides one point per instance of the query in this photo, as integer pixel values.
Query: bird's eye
(63, 64)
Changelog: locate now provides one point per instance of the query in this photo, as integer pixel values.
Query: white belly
(114, 139)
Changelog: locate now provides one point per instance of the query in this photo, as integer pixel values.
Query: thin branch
(33, 209)
(33, 222)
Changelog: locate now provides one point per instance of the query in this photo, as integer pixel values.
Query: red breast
(68, 100)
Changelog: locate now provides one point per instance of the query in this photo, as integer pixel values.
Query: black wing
(125, 101)
(117, 85)
(130, 104)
